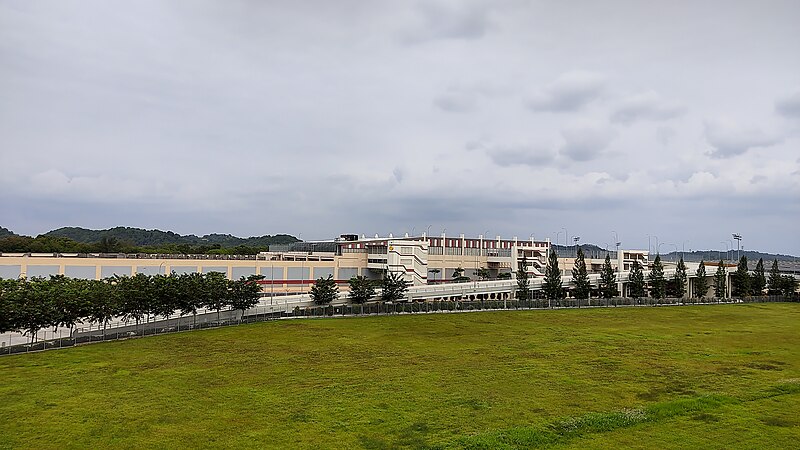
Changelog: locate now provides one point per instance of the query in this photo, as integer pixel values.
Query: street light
(576, 239)
(727, 249)
(738, 238)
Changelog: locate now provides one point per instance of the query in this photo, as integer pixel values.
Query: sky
(612, 121)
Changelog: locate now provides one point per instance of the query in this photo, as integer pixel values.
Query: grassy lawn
(678, 377)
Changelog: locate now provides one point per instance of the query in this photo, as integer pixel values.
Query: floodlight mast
(738, 238)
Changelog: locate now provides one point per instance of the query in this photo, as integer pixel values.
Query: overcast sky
(316, 118)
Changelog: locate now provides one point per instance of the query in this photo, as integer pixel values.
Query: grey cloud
(527, 155)
(646, 106)
(455, 101)
(730, 140)
(570, 92)
(442, 20)
(586, 143)
(789, 106)
(664, 135)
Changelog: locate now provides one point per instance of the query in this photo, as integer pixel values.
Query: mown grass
(706, 376)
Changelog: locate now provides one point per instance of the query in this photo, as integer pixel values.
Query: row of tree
(30, 305)
(743, 283)
(393, 288)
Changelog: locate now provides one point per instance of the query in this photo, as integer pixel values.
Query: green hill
(5, 232)
(142, 237)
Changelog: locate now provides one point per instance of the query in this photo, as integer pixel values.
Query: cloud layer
(319, 118)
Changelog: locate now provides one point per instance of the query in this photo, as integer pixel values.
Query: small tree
(656, 279)
(740, 283)
(774, 282)
(636, 279)
(324, 290)
(458, 276)
(435, 272)
(483, 273)
(523, 291)
(580, 277)
(608, 280)
(552, 278)
(245, 292)
(759, 279)
(788, 285)
(700, 283)
(393, 288)
(720, 287)
(679, 280)
(361, 289)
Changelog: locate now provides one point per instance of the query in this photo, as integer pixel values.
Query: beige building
(420, 260)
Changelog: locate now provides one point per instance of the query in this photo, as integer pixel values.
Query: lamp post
(566, 236)
(738, 238)
(727, 249)
(576, 239)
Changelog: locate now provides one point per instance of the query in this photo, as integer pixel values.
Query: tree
(215, 291)
(759, 279)
(740, 282)
(608, 280)
(552, 278)
(720, 286)
(701, 282)
(8, 318)
(504, 276)
(435, 272)
(393, 288)
(483, 273)
(656, 281)
(104, 302)
(523, 291)
(245, 292)
(580, 277)
(679, 280)
(324, 290)
(788, 285)
(458, 276)
(135, 296)
(636, 280)
(774, 283)
(361, 289)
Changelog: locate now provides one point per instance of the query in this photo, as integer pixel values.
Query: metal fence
(370, 309)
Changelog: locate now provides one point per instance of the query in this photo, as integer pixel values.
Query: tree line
(393, 288)
(743, 283)
(30, 305)
(53, 244)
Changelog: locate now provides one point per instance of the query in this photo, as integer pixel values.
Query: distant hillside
(142, 237)
(5, 232)
(594, 251)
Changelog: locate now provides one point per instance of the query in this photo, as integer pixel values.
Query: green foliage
(504, 276)
(458, 276)
(244, 293)
(740, 280)
(324, 290)
(637, 286)
(580, 277)
(677, 285)
(758, 281)
(608, 280)
(393, 287)
(700, 283)
(362, 289)
(655, 279)
(551, 286)
(774, 284)
(788, 285)
(483, 273)
(523, 291)
(720, 282)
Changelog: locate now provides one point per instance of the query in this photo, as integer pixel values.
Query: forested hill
(142, 237)
(5, 232)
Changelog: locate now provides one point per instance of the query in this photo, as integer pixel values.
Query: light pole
(557, 233)
(576, 239)
(738, 238)
(727, 249)
(566, 236)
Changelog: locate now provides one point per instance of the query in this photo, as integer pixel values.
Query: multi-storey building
(293, 268)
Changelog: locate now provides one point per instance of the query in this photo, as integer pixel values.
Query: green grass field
(678, 377)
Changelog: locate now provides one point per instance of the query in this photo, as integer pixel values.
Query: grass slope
(706, 376)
